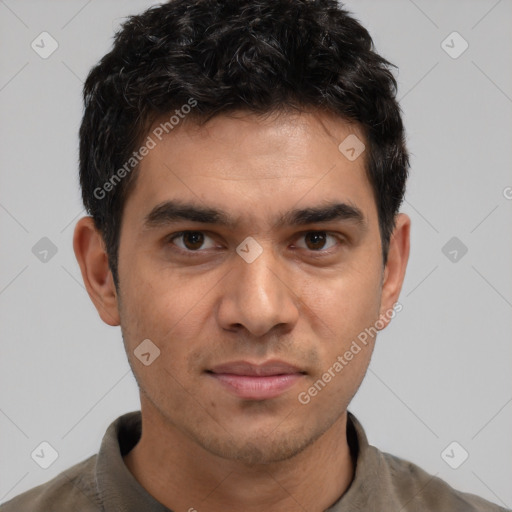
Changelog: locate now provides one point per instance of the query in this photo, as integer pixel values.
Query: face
(287, 271)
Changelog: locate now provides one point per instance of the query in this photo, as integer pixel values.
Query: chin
(253, 449)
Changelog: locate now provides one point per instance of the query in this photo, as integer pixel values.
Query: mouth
(256, 381)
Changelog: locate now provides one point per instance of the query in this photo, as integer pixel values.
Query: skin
(202, 447)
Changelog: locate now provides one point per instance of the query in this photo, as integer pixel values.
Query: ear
(394, 272)
(91, 255)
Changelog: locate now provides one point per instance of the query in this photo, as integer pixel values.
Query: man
(243, 163)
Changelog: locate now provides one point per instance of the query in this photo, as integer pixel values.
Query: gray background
(440, 373)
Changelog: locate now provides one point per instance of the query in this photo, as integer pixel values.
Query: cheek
(165, 312)
(345, 312)
(169, 309)
(344, 303)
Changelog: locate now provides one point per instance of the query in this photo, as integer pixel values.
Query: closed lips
(256, 370)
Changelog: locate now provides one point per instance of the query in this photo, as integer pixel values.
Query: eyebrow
(176, 210)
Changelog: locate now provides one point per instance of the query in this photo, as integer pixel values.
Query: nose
(259, 296)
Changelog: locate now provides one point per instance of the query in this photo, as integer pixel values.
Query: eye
(316, 240)
(191, 241)
(197, 241)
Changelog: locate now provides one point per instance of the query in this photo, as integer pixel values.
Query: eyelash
(319, 253)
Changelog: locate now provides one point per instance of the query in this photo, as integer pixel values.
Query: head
(230, 120)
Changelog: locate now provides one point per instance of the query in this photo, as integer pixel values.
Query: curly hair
(220, 56)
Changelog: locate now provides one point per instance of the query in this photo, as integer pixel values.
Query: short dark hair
(221, 56)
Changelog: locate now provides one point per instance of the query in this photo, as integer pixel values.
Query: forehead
(253, 169)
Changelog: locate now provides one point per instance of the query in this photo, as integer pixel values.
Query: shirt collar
(117, 487)
(368, 487)
(119, 490)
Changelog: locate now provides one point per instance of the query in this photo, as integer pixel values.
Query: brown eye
(315, 240)
(319, 241)
(190, 240)
(193, 240)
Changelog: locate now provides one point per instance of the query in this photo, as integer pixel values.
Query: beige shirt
(102, 483)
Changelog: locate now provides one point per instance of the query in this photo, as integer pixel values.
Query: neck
(182, 475)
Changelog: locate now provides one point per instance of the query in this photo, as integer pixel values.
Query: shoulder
(72, 490)
(418, 490)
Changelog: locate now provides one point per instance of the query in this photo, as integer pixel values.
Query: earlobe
(91, 256)
(394, 272)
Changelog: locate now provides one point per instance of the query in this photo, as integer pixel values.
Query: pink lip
(256, 381)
